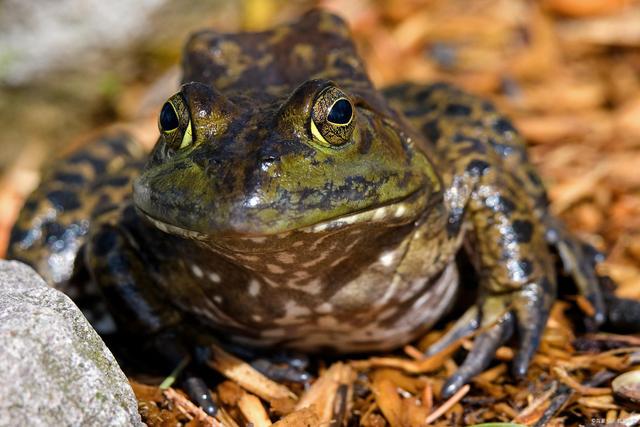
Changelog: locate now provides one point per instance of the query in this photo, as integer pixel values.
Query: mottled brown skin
(264, 213)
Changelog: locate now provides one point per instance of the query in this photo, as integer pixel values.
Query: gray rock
(54, 368)
(38, 37)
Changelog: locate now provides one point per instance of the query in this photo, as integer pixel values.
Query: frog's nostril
(268, 159)
(266, 162)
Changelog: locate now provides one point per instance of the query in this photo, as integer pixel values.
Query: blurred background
(566, 71)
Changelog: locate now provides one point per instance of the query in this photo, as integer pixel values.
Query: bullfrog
(288, 203)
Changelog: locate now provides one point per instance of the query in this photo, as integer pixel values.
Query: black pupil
(168, 117)
(340, 113)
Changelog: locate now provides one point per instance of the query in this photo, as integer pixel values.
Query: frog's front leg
(495, 193)
(515, 269)
(121, 273)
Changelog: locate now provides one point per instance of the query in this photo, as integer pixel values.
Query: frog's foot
(579, 261)
(284, 365)
(198, 391)
(281, 366)
(279, 372)
(623, 314)
(174, 354)
(494, 319)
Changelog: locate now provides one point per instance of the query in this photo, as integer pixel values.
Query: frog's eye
(175, 123)
(332, 118)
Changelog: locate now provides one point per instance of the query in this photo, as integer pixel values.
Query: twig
(522, 417)
(565, 392)
(190, 410)
(168, 382)
(448, 404)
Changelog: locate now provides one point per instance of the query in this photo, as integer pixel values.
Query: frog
(289, 203)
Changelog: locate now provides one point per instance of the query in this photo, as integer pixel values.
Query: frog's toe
(580, 264)
(525, 310)
(623, 315)
(592, 253)
(279, 366)
(465, 325)
(198, 391)
(531, 310)
(481, 355)
(281, 371)
(579, 261)
(175, 354)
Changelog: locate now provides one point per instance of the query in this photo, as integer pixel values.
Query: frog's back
(271, 64)
(75, 192)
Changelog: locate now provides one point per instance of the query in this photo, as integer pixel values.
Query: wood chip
(427, 364)
(386, 394)
(563, 376)
(247, 377)
(191, 410)
(535, 409)
(323, 395)
(598, 402)
(305, 417)
(253, 411)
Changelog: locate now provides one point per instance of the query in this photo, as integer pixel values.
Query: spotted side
(55, 221)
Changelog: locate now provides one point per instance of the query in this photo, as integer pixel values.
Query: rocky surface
(54, 368)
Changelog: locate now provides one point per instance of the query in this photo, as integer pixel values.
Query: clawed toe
(198, 391)
(281, 372)
(623, 314)
(481, 355)
(497, 318)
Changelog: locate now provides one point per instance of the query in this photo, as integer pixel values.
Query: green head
(279, 146)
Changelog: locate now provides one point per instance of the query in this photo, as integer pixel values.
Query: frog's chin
(408, 209)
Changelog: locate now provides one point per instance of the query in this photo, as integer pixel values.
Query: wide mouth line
(388, 203)
(325, 224)
(168, 228)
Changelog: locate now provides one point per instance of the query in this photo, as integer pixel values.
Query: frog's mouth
(173, 229)
(401, 211)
